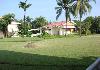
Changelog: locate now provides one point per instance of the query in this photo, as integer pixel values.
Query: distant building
(13, 28)
(60, 28)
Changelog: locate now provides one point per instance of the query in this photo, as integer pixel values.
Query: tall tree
(39, 22)
(77, 24)
(82, 7)
(24, 6)
(24, 29)
(86, 25)
(67, 6)
(95, 27)
(4, 21)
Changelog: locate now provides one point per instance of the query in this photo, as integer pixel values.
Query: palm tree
(24, 6)
(82, 7)
(67, 6)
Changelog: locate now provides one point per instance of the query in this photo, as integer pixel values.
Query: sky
(45, 8)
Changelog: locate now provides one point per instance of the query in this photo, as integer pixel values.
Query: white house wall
(69, 27)
(12, 28)
(48, 31)
(68, 32)
(62, 31)
(55, 31)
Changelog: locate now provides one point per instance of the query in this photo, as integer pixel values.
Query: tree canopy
(81, 8)
(95, 27)
(39, 22)
(24, 5)
(67, 6)
(4, 21)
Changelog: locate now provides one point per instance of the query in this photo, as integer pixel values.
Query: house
(13, 28)
(60, 28)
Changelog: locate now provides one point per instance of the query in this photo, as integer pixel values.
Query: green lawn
(70, 53)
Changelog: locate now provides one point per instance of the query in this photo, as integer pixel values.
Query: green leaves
(8, 18)
(39, 22)
(83, 6)
(24, 5)
(67, 6)
(4, 21)
(58, 12)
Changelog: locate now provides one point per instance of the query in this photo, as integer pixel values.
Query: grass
(70, 53)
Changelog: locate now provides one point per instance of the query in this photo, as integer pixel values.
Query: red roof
(62, 23)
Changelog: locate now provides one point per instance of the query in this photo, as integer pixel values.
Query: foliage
(95, 27)
(67, 6)
(86, 26)
(39, 22)
(24, 6)
(82, 7)
(74, 7)
(29, 19)
(30, 23)
(25, 27)
(45, 35)
(77, 25)
(2, 24)
(4, 21)
(91, 25)
(8, 18)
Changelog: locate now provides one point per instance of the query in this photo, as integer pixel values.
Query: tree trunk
(24, 21)
(86, 32)
(5, 32)
(66, 20)
(80, 25)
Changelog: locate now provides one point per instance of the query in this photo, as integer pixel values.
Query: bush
(88, 32)
(28, 34)
(45, 35)
(10, 34)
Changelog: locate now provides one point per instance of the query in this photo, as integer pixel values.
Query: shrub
(10, 34)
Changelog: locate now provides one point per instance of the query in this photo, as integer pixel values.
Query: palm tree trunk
(24, 16)
(66, 20)
(80, 25)
(24, 21)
